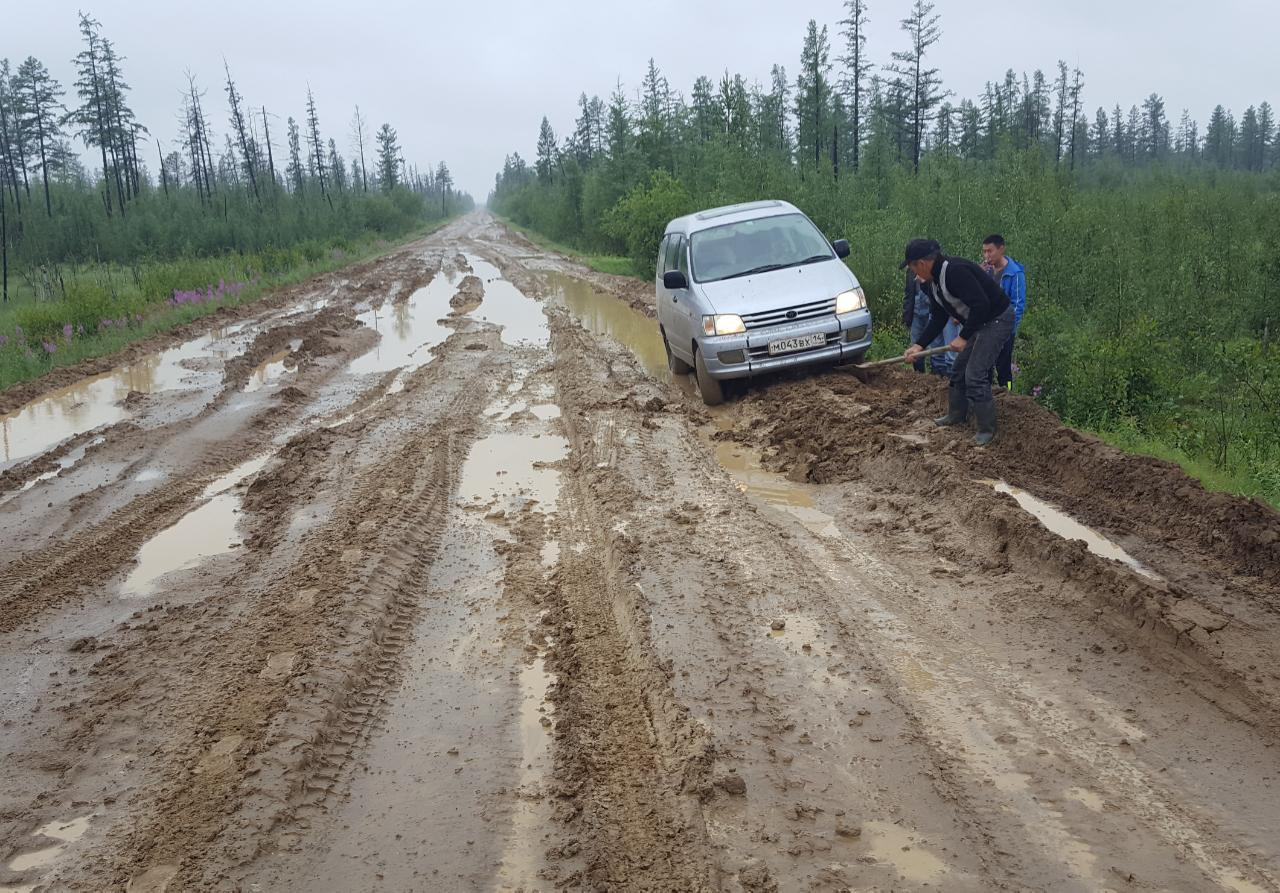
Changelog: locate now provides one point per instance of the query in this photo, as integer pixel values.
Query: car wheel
(674, 363)
(710, 388)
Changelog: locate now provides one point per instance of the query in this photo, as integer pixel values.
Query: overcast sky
(470, 81)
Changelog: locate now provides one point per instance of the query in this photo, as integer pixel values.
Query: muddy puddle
(202, 533)
(273, 367)
(1069, 528)
(744, 465)
(93, 402)
(409, 329)
(603, 314)
(510, 468)
(49, 842)
(521, 318)
(67, 462)
(523, 854)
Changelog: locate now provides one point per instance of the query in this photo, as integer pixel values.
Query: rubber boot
(958, 413)
(986, 416)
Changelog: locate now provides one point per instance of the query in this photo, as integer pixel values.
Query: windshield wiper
(768, 268)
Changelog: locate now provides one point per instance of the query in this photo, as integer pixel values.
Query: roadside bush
(638, 220)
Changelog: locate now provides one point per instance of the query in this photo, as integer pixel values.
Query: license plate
(791, 345)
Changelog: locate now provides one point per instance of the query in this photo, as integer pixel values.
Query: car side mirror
(842, 248)
(674, 279)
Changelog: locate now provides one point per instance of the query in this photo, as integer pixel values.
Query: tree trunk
(4, 244)
(271, 161)
(44, 162)
(164, 177)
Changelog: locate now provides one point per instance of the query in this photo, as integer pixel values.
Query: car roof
(692, 223)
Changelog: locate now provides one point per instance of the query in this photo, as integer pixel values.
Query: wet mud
(428, 574)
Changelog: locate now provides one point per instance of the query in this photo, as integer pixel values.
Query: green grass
(613, 264)
(139, 295)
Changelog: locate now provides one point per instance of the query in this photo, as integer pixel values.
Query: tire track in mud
(39, 580)
(341, 616)
(628, 756)
(788, 777)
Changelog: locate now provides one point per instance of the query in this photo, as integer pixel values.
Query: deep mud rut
(426, 575)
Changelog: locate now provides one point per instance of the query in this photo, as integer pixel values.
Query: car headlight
(723, 324)
(850, 301)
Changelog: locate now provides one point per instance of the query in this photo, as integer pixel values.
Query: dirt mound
(829, 418)
(318, 335)
(470, 295)
(832, 429)
(421, 277)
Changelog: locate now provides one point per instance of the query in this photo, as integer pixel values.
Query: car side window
(682, 256)
(662, 254)
(673, 250)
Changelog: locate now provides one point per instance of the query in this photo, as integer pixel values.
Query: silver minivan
(754, 288)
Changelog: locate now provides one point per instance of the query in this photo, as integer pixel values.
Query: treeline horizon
(258, 182)
(1150, 248)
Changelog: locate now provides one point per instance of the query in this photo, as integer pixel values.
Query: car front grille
(783, 315)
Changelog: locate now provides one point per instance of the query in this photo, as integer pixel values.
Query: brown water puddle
(70, 460)
(59, 835)
(93, 402)
(272, 368)
(523, 856)
(603, 314)
(202, 533)
(521, 317)
(512, 467)
(409, 329)
(1069, 528)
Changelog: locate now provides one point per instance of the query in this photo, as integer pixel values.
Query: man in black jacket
(960, 288)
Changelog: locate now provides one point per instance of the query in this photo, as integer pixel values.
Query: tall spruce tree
(388, 157)
(38, 100)
(855, 73)
(923, 90)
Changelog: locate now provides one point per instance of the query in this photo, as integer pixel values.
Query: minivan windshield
(757, 246)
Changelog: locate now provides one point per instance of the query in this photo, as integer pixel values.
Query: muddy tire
(711, 389)
(674, 363)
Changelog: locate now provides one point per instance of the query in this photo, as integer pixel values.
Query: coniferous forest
(105, 223)
(1151, 240)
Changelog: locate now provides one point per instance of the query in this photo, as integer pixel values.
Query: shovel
(862, 371)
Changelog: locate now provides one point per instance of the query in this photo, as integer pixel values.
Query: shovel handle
(933, 351)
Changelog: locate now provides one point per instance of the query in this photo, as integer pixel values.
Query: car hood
(779, 288)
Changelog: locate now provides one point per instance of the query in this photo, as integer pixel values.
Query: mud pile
(470, 295)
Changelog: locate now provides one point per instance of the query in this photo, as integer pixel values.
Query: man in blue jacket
(1013, 281)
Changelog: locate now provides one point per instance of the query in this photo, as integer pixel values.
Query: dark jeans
(1004, 362)
(972, 368)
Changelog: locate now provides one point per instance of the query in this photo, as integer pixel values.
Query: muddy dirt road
(426, 575)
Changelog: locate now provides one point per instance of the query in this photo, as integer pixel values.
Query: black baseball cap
(919, 249)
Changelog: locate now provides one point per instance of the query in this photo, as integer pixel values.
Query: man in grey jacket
(960, 288)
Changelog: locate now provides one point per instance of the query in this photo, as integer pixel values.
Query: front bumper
(741, 356)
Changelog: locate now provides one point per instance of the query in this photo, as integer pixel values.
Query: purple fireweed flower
(67, 330)
(1037, 391)
(4, 340)
(50, 347)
